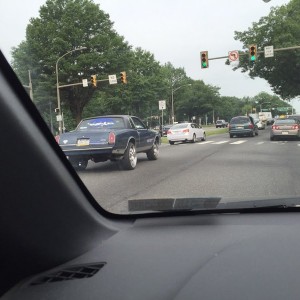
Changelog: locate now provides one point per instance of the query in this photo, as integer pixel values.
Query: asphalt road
(237, 169)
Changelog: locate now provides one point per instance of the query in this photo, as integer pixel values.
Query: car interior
(58, 243)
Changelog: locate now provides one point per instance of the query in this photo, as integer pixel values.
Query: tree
(65, 25)
(281, 28)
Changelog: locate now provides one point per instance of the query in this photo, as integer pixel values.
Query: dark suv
(242, 126)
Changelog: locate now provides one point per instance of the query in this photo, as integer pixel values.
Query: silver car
(184, 132)
(285, 128)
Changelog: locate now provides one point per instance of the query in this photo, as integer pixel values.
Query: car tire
(152, 154)
(79, 165)
(171, 143)
(129, 160)
(194, 138)
(272, 138)
(231, 136)
(204, 137)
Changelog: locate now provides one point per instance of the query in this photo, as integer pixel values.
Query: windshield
(109, 79)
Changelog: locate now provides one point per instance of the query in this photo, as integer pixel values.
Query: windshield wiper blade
(174, 204)
(261, 204)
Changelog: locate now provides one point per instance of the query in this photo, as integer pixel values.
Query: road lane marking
(206, 142)
(260, 143)
(238, 142)
(221, 142)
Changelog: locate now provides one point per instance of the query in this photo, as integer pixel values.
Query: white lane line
(206, 142)
(238, 142)
(260, 143)
(221, 142)
(298, 145)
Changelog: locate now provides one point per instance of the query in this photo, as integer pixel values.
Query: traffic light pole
(259, 52)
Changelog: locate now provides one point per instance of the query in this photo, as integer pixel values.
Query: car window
(285, 121)
(239, 120)
(101, 123)
(109, 78)
(138, 123)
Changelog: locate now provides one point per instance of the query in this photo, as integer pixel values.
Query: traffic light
(94, 80)
(123, 77)
(253, 52)
(204, 59)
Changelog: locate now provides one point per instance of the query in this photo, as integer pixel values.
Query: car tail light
(169, 132)
(57, 137)
(296, 126)
(251, 126)
(229, 126)
(111, 138)
(185, 130)
(275, 127)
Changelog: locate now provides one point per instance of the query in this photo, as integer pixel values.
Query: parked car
(242, 126)
(287, 127)
(184, 132)
(260, 124)
(221, 124)
(112, 137)
(166, 128)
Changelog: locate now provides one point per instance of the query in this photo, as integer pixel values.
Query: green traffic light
(253, 58)
(204, 64)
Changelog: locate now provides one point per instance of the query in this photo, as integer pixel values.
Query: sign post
(162, 106)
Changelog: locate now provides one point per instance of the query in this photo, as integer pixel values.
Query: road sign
(162, 104)
(269, 51)
(283, 108)
(85, 83)
(112, 79)
(233, 55)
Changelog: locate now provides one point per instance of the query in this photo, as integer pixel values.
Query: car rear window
(101, 123)
(240, 120)
(178, 126)
(285, 121)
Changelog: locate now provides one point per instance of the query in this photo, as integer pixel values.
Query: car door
(145, 136)
(198, 131)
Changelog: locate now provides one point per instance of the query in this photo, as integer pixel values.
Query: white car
(184, 132)
(260, 124)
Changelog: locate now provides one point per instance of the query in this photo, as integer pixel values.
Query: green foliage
(281, 28)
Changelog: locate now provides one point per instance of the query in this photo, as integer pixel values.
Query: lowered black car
(111, 137)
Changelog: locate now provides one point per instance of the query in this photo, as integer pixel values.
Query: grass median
(209, 132)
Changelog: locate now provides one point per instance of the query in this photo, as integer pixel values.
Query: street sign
(162, 104)
(269, 51)
(112, 79)
(233, 55)
(283, 108)
(85, 83)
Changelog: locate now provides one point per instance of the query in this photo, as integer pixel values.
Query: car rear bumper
(285, 133)
(179, 137)
(241, 131)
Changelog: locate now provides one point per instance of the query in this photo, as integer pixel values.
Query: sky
(174, 31)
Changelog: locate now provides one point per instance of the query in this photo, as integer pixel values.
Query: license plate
(240, 127)
(83, 142)
(285, 132)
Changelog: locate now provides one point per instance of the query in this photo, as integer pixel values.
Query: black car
(242, 126)
(111, 137)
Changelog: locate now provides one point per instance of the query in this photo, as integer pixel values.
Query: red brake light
(111, 138)
(185, 130)
(296, 126)
(251, 126)
(276, 127)
(169, 131)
